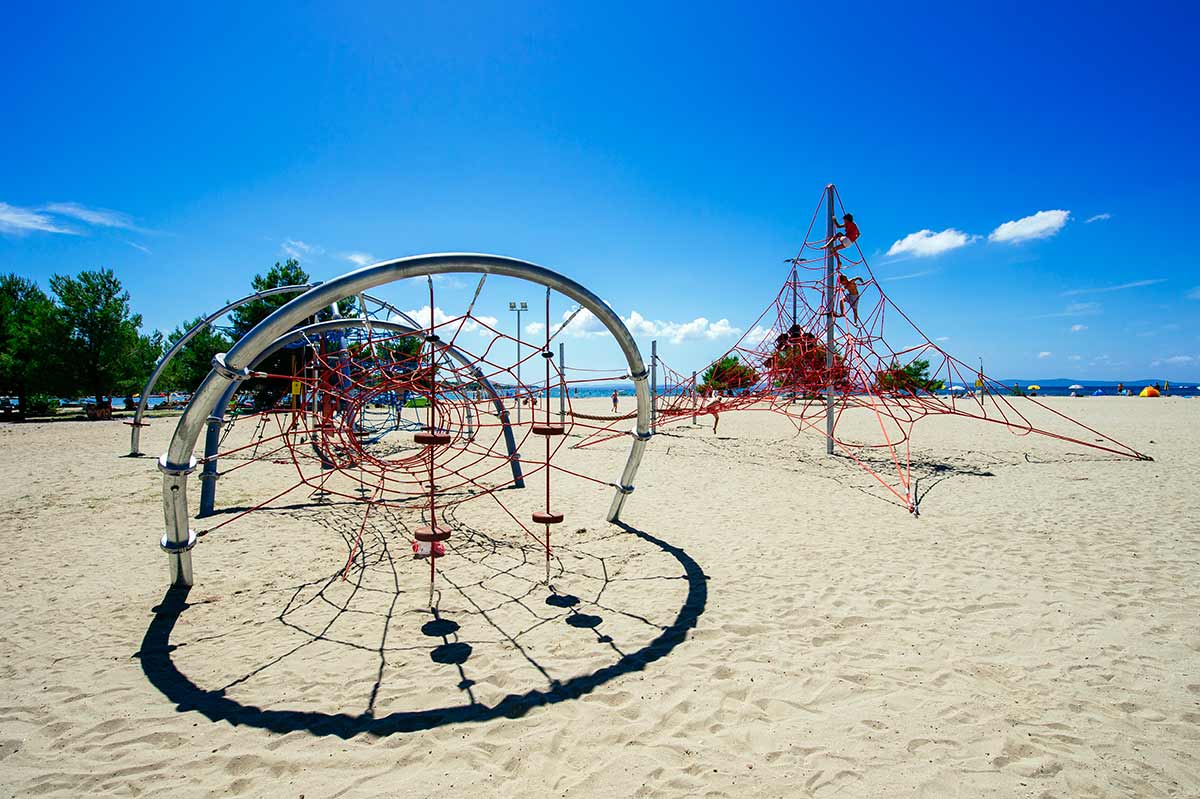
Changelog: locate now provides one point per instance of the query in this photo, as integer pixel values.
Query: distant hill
(1067, 381)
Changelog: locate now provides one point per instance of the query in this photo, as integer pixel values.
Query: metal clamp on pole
(626, 490)
(175, 547)
(642, 436)
(227, 372)
(175, 469)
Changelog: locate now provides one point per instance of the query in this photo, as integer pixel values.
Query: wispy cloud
(141, 247)
(911, 275)
(58, 218)
(1194, 294)
(17, 221)
(1045, 354)
(1078, 328)
(1041, 225)
(1074, 357)
(358, 258)
(1097, 218)
(926, 243)
(298, 249)
(99, 217)
(1074, 309)
(942, 338)
(1136, 284)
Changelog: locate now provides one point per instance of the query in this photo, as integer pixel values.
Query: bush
(40, 405)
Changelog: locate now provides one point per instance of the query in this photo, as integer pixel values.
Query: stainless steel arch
(178, 462)
(209, 473)
(136, 434)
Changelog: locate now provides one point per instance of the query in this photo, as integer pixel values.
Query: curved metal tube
(217, 417)
(136, 435)
(178, 462)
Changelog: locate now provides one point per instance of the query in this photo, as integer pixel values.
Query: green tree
(268, 391)
(726, 374)
(289, 273)
(188, 368)
(106, 354)
(31, 341)
(912, 377)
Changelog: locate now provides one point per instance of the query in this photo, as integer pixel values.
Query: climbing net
(413, 421)
(818, 355)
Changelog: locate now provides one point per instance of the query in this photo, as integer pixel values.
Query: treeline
(83, 338)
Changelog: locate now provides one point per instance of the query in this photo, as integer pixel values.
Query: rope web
(820, 351)
(406, 428)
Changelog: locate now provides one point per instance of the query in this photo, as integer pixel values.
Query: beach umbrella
(957, 388)
(1035, 388)
(1149, 391)
(1074, 387)
(1097, 393)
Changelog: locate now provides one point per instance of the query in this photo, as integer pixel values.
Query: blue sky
(669, 158)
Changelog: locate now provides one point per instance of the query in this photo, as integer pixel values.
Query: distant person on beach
(841, 241)
(850, 294)
(1120, 389)
(614, 400)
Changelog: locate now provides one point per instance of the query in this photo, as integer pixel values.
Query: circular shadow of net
(336, 641)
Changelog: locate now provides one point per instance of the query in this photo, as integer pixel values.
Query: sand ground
(769, 624)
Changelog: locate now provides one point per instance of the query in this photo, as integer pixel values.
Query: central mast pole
(830, 230)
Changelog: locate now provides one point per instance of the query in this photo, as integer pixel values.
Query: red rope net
(413, 426)
(820, 350)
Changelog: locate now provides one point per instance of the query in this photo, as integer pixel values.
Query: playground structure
(406, 418)
(818, 355)
(464, 446)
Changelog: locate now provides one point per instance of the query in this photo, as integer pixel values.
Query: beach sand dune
(770, 622)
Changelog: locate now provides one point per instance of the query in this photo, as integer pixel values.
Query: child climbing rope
(850, 295)
(841, 241)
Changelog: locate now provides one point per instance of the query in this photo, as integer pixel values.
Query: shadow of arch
(160, 670)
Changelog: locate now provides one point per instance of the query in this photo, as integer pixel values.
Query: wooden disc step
(431, 439)
(547, 517)
(548, 429)
(431, 534)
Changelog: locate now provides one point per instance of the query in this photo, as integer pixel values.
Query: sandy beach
(768, 623)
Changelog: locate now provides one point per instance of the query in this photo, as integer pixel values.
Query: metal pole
(830, 229)
(562, 383)
(517, 393)
(208, 475)
(653, 385)
(695, 398)
(795, 281)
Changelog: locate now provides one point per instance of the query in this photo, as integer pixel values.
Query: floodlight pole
(830, 230)
(512, 306)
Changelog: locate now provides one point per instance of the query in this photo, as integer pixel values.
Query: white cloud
(678, 332)
(1097, 218)
(18, 221)
(942, 338)
(1045, 354)
(141, 247)
(1180, 359)
(1074, 309)
(1041, 225)
(449, 324)
(1194, 294)
(911, 275)
(356, 258)
(1078, 328)
(1074, 357)
(925, 243)
(1136, 284)
(758, 334)
(100, 217)
(297, 249)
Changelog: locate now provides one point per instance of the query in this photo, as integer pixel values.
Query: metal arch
(178, 462)
(217, 418)
(136, 434)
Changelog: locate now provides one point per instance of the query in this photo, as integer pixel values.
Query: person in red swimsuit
(841, 241)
